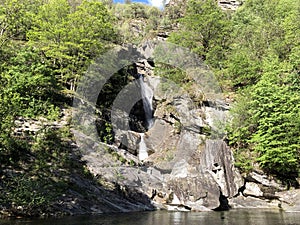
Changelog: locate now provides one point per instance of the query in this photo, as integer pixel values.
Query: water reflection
(232, 217)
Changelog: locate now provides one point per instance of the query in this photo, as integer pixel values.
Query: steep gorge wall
(187, 167)
(190, 166)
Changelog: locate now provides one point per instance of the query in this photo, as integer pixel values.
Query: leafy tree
(137, 10)
(267, 125)
(16, 19)
(264, 61)
(276, 113)
(175, 11)
(243, 68)
(205, 30)
(261, 28)
(239, 131)
(49, 34)
(69, 40)
(28, 90)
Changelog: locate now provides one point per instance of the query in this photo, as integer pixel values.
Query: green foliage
(29, 84)
(105, 133)
(243, 68)
(40, 176)
(277, 112)
(205, 30)
(176, 11)
(28, 90)
(45, 46)
(265, 127)
(153, 22)
(260, 29)
(136, 10)
(16, 19)
(68, 41)
(25, 192)
(171, 73)
(267, 123)
(42, 173)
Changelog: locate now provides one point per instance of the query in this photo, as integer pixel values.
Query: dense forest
(47, 45)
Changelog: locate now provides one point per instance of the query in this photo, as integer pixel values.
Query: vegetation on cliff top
(45, 47)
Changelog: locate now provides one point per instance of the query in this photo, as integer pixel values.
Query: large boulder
(200, 192)
(290, 200)
(217, 159)
(265, 180)
(252, 202)
(128, 140)
(253, 189)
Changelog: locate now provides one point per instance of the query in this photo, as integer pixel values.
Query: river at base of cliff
(231, 217)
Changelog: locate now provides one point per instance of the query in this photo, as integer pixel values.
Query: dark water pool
(232, 217)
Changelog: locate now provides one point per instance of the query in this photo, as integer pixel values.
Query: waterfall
(143, 154)
(147, 96)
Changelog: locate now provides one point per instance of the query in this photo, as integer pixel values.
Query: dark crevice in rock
(151, 63)
(184, 207)
(241, 190)
(137, 118)
(217, 104)
(197, 130)
(216, 168)
(163, 35)
(163, 171)
(224, 204)
(202, 197)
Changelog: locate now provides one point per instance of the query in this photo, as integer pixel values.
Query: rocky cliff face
(189, 166)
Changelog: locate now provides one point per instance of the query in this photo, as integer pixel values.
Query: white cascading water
(143, 154)
(147, 96)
